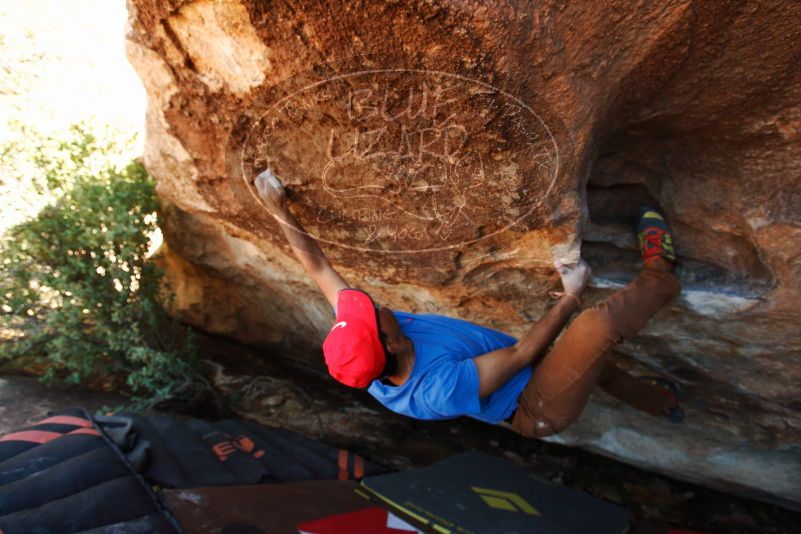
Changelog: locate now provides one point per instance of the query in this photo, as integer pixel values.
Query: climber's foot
(671, 392)
(656, 241)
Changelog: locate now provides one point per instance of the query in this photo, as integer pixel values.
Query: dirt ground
(24, 400)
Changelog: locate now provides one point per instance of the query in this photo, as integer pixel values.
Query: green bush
(78, 294)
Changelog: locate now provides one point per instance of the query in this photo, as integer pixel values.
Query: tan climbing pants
(561, 383)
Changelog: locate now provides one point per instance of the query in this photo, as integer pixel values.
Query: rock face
(444, 153)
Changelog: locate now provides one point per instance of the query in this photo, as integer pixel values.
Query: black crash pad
(478, 493)
(191, 453)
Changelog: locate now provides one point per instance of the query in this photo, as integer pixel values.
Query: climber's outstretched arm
(303, 245)
(311, 257)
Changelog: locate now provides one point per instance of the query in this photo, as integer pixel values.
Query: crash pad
(65, 475)
(478, 493)
(191, 453)
(370, 520)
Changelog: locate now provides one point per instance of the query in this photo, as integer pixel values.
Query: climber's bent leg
(561, 383)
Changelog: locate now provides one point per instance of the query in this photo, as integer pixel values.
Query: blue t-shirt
(444, 381)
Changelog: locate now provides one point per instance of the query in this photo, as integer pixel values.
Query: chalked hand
(574, 277)
(271, 191)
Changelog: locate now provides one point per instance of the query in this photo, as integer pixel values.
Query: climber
(435, 367)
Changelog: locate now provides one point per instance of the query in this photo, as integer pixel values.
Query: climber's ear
(387, 322)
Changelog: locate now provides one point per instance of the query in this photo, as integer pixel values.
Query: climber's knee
(534, 425)
(535, 429)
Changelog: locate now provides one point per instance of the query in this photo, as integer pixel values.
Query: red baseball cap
(353, 353)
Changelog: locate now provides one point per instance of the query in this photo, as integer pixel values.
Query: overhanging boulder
(445, 153)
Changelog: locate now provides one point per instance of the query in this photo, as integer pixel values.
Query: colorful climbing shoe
(654, 236)
(671, 390)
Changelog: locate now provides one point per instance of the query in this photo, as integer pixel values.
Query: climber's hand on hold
(271, 191)
(574, 277)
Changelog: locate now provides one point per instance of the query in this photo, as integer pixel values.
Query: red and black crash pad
(270, 508)
(192, 453)
(63, 475)
(476, 493)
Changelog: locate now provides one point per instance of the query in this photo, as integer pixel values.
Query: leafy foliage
(78, 293)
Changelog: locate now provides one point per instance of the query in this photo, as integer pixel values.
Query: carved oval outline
(554, 175)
